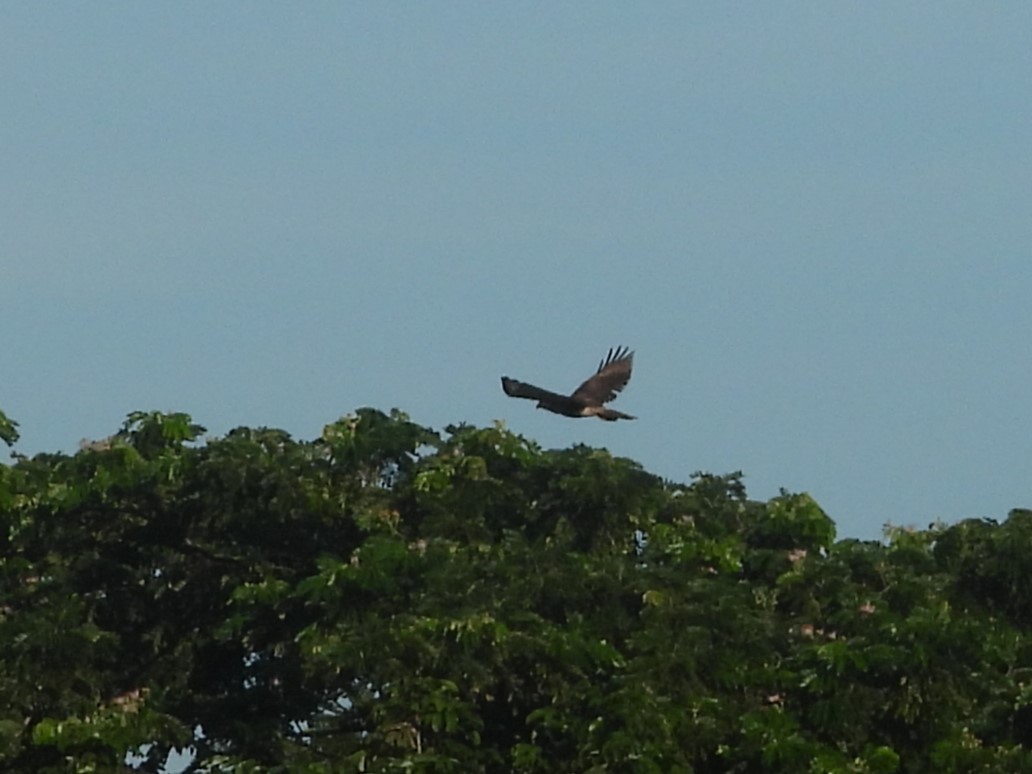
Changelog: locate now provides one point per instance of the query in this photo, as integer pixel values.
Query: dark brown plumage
(587, 400)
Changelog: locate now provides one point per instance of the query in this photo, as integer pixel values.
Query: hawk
(587, 400)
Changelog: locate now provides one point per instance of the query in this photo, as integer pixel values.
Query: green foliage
(8, 430)
(386, 597)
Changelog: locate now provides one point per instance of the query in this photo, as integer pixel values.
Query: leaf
(8, 430)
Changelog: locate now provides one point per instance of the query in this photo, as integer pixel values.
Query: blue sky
(810, 220)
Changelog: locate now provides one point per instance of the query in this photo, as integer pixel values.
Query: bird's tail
(611, 415)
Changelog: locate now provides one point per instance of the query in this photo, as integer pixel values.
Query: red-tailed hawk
(587, 400)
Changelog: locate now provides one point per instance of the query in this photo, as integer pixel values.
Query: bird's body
(590, 398)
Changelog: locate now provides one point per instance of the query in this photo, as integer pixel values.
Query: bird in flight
(590, 398)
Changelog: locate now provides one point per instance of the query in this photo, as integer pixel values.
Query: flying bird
(587, 400)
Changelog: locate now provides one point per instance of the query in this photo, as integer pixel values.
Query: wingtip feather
(616, 354)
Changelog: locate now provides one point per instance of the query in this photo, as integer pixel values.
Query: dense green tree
(386, 597)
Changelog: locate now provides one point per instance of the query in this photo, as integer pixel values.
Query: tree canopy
(386, 597)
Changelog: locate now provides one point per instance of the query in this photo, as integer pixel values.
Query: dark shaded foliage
(387, 597)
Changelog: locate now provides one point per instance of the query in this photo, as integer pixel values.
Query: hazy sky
(812, 221)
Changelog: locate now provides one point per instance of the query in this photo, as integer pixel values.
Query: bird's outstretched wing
(612, 376)
(516, 389)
